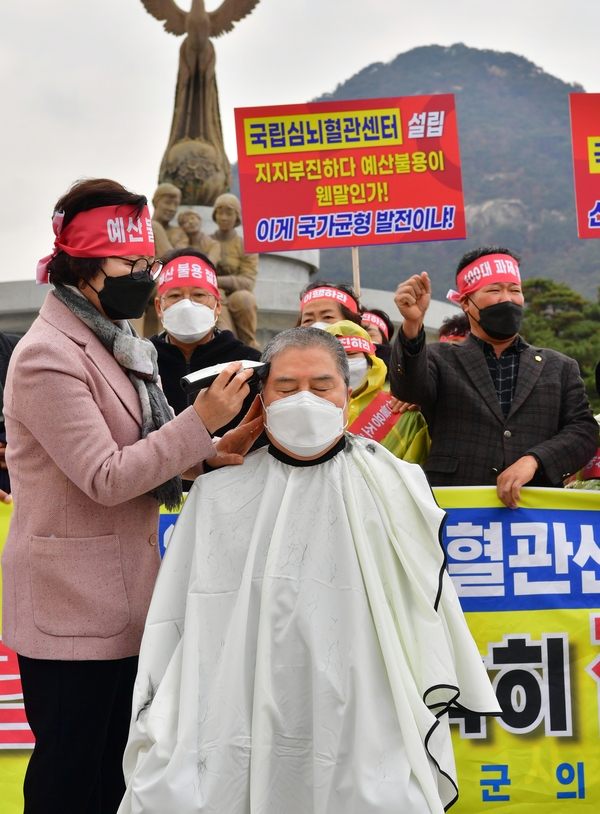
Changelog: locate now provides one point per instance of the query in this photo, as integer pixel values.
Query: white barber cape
(302, 646)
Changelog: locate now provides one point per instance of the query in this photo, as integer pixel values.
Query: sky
(87, 86)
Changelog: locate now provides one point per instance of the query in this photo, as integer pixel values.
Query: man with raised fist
(499, 411)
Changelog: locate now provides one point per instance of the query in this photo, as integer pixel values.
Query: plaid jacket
(471, 440)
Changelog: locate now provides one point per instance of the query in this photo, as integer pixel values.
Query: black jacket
(384, 352)
(172, 365)
(7, 344)
(471, 440)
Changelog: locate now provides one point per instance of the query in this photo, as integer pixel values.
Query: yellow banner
(542, 753)
(346, 130)
(533, 771)
(484, 497)
(5, 515)
(13, 763)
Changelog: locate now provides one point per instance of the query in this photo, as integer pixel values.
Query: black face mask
(124, 297)
(502, 320)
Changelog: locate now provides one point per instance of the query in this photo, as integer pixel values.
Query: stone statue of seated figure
(236, 273)
(166, 202)
(195, 238)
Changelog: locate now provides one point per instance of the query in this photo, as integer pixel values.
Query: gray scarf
(139, 358)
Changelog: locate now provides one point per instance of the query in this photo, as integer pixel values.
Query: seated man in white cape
(304, 642)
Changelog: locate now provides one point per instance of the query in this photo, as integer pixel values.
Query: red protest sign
(14, 729)
(361, 172)
(585, 135)
(592, 468)
(15, 732)
(10, 680)
(377, 419)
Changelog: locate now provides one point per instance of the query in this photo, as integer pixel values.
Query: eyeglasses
(200, 296)
(141, 266)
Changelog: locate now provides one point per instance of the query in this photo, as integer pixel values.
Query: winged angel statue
(195, 159)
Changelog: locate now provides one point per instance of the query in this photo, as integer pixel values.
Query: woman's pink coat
(81, 555)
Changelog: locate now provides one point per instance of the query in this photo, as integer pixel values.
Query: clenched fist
(412, 298)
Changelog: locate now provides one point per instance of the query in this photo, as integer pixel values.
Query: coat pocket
(77, 586)
(441, 463)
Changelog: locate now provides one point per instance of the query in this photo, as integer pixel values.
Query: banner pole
(355, 271)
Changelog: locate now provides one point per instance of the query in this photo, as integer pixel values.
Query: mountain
(513, 122)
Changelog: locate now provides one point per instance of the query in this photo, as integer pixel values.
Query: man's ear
(263, 409)
(465, 302)
(217, 309)
(159, 310)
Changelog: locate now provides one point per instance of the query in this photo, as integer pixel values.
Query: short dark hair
(85, 194)
(458, 325)
(475, 254)
(385, 317)
(305, 338)
(347, 289)
(186, 252)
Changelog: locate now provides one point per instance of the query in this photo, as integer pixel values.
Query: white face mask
(188, 321)
(321, 325)
(304, 424)
(359, 367)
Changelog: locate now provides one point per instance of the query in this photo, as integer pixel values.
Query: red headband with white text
(188, 271)
(329, 294)
(356, 344)
(367, 316)
(106, 231)
(487, 270)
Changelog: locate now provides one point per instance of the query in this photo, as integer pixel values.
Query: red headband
(105, 231)
(487, 270)
(354, 344)
(329, 294)
(188, 271)
(367, 316)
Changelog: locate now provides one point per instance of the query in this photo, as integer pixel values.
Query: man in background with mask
(274, 624)
(499, 411)
(370, 413)
(188, 306)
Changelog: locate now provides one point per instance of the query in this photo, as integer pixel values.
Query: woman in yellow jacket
(405, 435)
